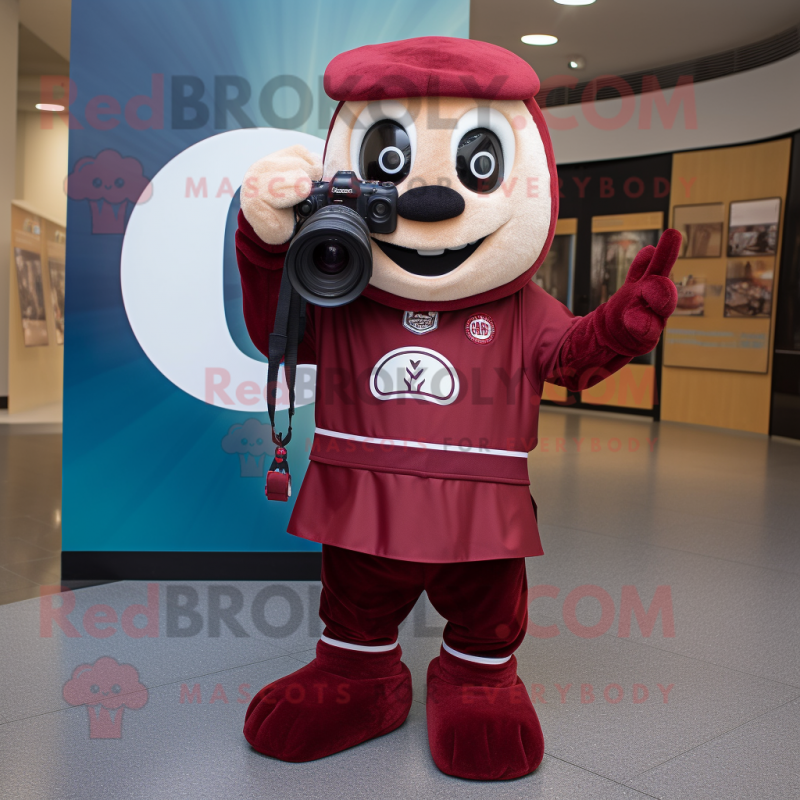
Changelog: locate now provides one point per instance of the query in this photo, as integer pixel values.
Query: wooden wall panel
(557, 394)
(566, 227)
(612, 223)
(631, 387)
(719, 398)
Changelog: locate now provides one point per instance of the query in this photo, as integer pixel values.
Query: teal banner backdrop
(166, 436)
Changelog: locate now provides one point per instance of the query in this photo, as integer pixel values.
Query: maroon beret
(430, 66)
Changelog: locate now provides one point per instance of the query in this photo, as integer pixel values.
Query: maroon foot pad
(481, 722)
(341, 699)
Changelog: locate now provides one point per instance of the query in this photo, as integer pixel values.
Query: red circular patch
(480, 329)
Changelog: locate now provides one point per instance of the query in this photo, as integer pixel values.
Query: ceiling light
(575, 2)
(539, 38)
(576, 62)
(49, 107)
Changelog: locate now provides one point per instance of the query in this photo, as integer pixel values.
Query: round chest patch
(480, 329)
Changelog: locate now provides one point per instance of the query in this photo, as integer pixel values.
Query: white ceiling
(35, 59)
(38, 58)
(622, 36)
(49, 20)
(614, 36)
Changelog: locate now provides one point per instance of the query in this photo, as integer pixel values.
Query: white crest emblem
(417, 373)
(420, 322)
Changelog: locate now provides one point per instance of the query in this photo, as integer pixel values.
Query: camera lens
(330, 257)
(380, 209)
(329, 261)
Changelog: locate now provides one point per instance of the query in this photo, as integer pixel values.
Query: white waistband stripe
(475, 659)
(450, 448)
(362, 648)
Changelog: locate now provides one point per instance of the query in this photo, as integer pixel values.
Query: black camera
(329, 261)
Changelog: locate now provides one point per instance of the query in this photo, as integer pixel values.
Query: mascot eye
(385, 153)
(479, 161)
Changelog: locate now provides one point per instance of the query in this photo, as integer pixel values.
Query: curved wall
(749, 106)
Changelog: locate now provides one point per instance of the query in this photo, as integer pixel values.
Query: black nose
(430, 204)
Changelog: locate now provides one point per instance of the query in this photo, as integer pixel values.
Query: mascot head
(454, 124)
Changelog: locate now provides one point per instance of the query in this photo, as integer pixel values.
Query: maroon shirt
(424, 421)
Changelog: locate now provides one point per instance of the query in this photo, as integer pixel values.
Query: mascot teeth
(428, 263)
(442, 250)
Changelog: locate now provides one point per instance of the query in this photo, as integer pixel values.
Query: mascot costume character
(414, 243)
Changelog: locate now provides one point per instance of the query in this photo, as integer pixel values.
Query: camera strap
(287, 333)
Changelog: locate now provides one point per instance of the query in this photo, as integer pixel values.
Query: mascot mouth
(428, 263)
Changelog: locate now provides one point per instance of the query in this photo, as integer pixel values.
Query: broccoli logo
(251, 442)
(110, 183)
(106, 688)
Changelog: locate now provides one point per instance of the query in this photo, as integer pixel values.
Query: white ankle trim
(362, 648)
(475, 659)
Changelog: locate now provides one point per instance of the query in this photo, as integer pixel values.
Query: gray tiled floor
(709, 516)
(30, 509)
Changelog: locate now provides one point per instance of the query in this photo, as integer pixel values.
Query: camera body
(374, 201)
(329, 261)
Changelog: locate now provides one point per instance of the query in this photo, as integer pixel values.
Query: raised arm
(629, 324)
(271, 187)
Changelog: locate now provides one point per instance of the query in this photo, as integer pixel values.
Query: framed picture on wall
(748, 287)
(691, 296)
(555, 275)
(701, 227)
(753, 227)
(57, 296)
(30, 288)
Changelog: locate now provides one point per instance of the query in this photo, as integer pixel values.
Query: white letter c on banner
(171, 270)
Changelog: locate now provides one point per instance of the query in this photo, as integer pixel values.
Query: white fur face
(512, 221)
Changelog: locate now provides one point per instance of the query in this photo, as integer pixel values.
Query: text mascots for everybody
(428, 392)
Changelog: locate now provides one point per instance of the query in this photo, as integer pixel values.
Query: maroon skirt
(414, 518)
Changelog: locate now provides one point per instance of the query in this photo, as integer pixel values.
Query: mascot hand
(635, 315)
(273, 185)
